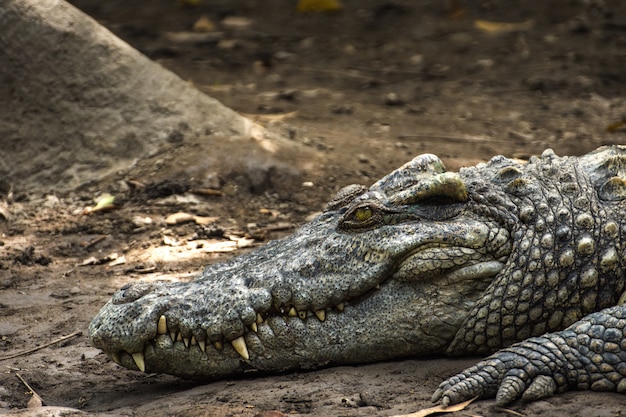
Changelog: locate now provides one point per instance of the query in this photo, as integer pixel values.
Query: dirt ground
(368, 88)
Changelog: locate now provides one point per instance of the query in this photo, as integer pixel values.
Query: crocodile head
(382, 273)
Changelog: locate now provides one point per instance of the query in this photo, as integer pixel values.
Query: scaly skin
(422, 262)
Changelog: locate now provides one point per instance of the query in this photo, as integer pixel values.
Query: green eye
(363, 214)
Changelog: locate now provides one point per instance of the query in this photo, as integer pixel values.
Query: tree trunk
(77, 103)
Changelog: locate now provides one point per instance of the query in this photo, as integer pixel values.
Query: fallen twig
(36, 400)
(93, 242)
(439, 409)
(26, 352)
(507, 411)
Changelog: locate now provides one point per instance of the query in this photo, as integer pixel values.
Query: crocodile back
(568, 257)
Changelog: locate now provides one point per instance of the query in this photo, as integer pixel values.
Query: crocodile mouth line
(238, 343)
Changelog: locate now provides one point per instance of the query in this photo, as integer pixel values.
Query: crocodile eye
(361, 217)
(363, 214)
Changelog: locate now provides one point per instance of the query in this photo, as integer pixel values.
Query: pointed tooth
(254, 327)
(240, 346)
(321, 314)
(162, 325)
(302, 314)
(377, 286)
(139, 361)
(293, 312)
(202, 345)
(259, 318)
(218, 345)
(341, 306)
(115, 357)
(173, 336)
(179, 337)
(186, 341)
(193, 341)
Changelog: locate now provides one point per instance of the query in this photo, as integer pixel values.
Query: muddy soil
(368, 88)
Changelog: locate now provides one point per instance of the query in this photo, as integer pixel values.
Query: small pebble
(236, 22)
(283, 55)
(392, 99)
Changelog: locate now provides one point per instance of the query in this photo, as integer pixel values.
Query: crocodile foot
(528, 370)
(587, 355)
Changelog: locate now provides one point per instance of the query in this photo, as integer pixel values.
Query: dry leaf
(614, 127)
(99, 261)
(119, 261)
(207, 191)
(202, 221)
(502, 27)
(89, 261)
(439, 409)
(170, 241)
(103, 203)
(220, 247)
(319, 6)
(269, 212)
(236, 22)
(34, 402)
(141, 221)
(204, 24)
(189, 3)
(244, 243)
(193, 37)
(179, 218)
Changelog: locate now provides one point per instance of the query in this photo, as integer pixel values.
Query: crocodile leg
(590, 354)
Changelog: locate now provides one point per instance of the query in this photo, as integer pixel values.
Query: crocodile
(523, 261)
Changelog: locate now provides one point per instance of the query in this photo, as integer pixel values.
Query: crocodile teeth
(240, 346)
(254, 327)
(341, 306)
(139, 361)
(302, 314)
(202, 345)
(218, 345)
(186, 341)
(179, 337)
(115, 357)
(173, 336)
(321, 314)
(162, 325)
(292, 312)
(259, 318)
(193, 341)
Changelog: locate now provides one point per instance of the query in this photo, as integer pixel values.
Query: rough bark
(77, 103)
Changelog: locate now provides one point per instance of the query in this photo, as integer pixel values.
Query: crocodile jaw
(380, 327)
